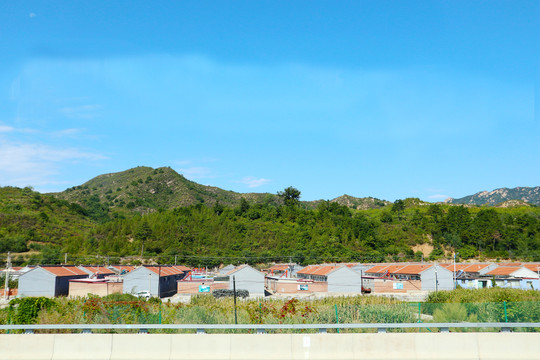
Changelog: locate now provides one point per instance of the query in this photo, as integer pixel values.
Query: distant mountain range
(144, 189)
(502, 197)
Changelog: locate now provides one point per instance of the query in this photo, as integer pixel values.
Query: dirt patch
(425, 249)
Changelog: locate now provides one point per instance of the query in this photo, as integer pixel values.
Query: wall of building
(248, 279)
(168, 285)
(291, 286)
(444, 278)
(344, 280)
(37, 282)
(83, 289)
(192, 287)
(395, 286)
(141, 279)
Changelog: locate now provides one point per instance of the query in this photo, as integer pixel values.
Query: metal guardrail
(261, 328)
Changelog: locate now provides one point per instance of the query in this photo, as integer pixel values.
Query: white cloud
(5, 129)
(36, 164)
(67, 132)
(81, 112)
(182, 162)
(196, 172)
(253, 182)
(438, 196)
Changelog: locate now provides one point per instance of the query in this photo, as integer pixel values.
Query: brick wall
(387, 286)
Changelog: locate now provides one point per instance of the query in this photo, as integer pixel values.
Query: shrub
(28, 308)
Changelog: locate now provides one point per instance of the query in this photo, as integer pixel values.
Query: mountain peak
(530, 195)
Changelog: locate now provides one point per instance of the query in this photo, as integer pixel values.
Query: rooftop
(320, 270)
(411, 269)
(504, 270)
(64, 270)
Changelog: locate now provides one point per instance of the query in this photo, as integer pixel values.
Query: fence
(337, 316)
(321, 328)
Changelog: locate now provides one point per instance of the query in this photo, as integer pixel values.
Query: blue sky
(390, 99)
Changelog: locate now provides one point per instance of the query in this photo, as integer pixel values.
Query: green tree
(398, 207)
(290, 196)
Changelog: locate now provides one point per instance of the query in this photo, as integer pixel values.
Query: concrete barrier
(432, 346)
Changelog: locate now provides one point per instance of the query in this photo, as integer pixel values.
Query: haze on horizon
(388, 99)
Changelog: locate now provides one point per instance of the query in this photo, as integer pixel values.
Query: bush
(120, 297)
(28, 308)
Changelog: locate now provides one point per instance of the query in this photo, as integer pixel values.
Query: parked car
(145, 294)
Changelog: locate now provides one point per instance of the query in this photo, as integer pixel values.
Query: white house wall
(525, 273)
(445, 279)
(248, 279)
(139, 280)
(344, 280)
(37, 282)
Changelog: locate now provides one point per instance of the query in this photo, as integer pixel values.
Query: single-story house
(49, 281)
(340, 278)
(159, 280)
(247, 278)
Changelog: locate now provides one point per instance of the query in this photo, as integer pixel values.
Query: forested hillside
(41, 228)
(32, 223)
(157, 215)
(263, 233)
(143, 190)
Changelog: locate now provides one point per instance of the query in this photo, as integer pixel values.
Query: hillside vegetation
(156, 215)
(144, 189)
(30, 221)
(529, 195)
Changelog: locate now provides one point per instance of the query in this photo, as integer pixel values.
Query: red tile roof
(475, 267)
(465, 267)
(510, 264)
(532, 267)
(411, 269)
(320, 270)
(121, 268)
(64, 270)
(167, 270)
(378, 269)
(503, 270)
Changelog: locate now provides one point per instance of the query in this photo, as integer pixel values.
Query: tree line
(252, 233)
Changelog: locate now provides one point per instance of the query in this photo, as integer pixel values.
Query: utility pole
(436, 279)
(175, 257)
(361, 282)
(455, 277)
(234, 292)
(8, 269)
(159, 282)
(65, 258)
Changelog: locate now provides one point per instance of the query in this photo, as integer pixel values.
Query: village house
(339, 278)
(50, 281)
(158, 280)
(247, 278)
(515, 277)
